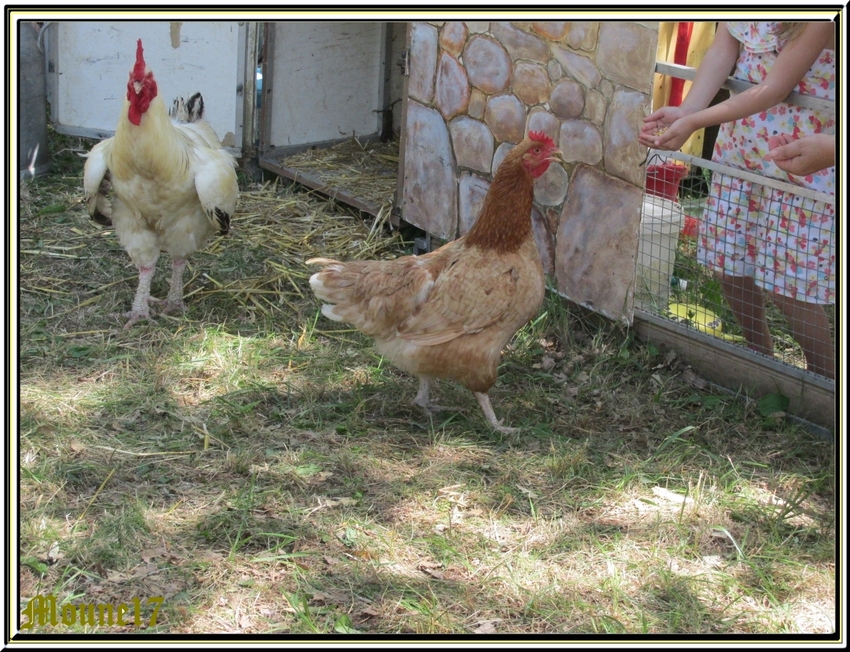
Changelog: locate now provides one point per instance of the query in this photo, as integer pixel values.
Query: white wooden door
(88, 63)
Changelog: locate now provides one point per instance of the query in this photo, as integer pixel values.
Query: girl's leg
(810, 326)
(747, 303)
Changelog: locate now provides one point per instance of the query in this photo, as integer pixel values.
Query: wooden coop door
(330, 106)
(474, 89)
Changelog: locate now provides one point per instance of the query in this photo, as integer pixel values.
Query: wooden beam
(319, 185)
(812, 397)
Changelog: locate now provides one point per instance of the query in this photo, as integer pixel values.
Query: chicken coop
(408, 121)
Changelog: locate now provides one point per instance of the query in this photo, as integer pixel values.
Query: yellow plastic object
(702, 319)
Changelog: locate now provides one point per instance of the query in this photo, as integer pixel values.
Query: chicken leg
(484, 402)
(141, 303)
(175, 290)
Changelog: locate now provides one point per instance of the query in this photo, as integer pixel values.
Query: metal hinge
(404, 62)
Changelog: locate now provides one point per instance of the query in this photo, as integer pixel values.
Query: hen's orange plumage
(449, 313)
(173, 186)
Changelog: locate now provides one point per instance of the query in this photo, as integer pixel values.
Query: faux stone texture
(544, 238)
(585, 84)
(521, 45)
(477, 102)
(597, 242)
(487, 64)
(452, 37)
(623, 153)
(567, 99)
(423, 50)
(471, 192)
(550, 189)
(553, 30)
(582, 35)
(541, 120)
(580, 142)
(452, 87)
(472, 143)
(580, 68)
(501, 152)
(430, 190)
(477, 27)
(530, 82)
(626, 54)
(594, 107)
(505, 115)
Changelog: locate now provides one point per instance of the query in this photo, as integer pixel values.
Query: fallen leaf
(673, 497)
(54, 553)
(437, 575)
(144, 571)
(692, 379)
(429, 564)
(150, 553)
(486, 627)
(336, 502)
(527, 492)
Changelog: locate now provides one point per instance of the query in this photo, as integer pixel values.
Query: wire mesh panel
(746, 259)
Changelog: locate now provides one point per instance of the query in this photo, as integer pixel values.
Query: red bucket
(691, 228)
(663, 180)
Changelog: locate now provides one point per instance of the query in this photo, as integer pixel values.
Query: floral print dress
(783, 240)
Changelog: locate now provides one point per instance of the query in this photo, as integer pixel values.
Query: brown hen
(449, 313)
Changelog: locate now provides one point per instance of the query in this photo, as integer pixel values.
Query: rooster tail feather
(195, 107)
(191, 110)
(223, 220)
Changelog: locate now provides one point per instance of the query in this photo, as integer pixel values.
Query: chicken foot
(484, 402)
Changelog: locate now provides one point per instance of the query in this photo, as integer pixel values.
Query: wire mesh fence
(746, 259)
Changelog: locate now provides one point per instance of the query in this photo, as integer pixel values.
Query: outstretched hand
(665, 129)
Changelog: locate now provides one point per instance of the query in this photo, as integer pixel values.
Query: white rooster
(173, 186)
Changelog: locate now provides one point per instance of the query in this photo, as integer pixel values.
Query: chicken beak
(137, 87)
(555, 157)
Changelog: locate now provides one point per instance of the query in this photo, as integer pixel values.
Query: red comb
(139, 68)
(540, 137)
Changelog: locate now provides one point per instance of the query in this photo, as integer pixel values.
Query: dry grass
(263, 471)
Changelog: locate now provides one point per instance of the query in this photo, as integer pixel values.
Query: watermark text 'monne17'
(42, 610)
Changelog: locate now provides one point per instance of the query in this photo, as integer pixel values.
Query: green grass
(263, 470)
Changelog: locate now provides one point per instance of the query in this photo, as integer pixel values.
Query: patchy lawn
(262, 469)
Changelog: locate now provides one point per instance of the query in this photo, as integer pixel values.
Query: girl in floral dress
(753, 237)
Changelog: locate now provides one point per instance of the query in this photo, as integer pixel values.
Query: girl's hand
(803, 156)
(665, 129)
